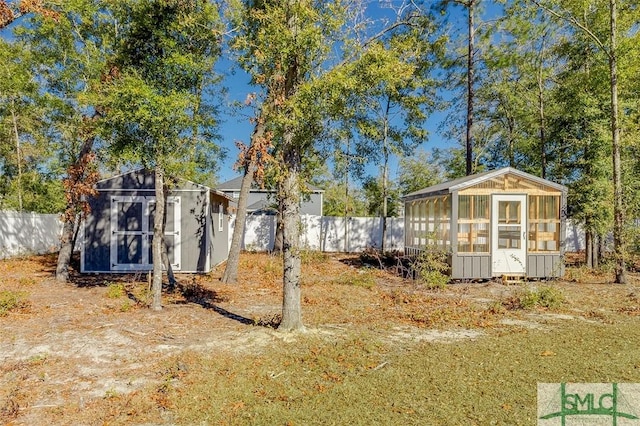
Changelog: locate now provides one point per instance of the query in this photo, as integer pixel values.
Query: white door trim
(509, 237)
(145, 232)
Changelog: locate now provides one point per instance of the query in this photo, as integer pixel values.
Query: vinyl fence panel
(26, 233)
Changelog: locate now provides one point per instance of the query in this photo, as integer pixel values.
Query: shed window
(428, 222)
(544, 223)
(473, 224)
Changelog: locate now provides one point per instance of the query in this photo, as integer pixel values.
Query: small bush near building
(432, 269)
(540, 297)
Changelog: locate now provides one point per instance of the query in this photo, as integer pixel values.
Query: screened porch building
(503, 222)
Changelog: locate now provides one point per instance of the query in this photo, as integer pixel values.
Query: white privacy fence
(24, 233)
(327, 233)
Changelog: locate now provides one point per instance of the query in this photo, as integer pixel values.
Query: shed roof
(468, 181)
(235, 183)
(143, 179)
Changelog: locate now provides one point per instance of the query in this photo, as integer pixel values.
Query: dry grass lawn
(378, 349)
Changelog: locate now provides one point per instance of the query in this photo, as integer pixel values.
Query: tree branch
(573, 21)
(380, 34)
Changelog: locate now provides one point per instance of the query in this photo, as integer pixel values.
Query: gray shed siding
(194, 222)
(545, 265)
(219, 229)
(202, 244)
(470, 266)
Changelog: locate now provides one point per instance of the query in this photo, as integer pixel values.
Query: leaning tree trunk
(77, 175)
(66, 250)
(290, 189)
(230, 274)
(158, 240)
(231, 270)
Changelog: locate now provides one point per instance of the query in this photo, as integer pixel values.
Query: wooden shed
(117, 234)
(498, 223)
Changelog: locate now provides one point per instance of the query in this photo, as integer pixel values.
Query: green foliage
(25, 179)
(534, 297)
(373, 191)
(160, 96)
(12, 300)
(38, 193)
(359, 278)
(417, 172)
(313, 257)
(333, 201)
(432, 267)
(336, 199)
(116, 290)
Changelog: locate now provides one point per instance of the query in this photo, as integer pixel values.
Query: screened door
(132, 233)
(509, 248)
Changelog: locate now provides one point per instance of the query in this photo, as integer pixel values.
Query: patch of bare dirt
(68, 344)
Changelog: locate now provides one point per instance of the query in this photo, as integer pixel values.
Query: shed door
(132, 233)
(509, 248)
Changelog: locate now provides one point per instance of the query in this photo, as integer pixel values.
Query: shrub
(11, 300)
(544, 297)
(432, 268)
(313, 257)
(115, 291)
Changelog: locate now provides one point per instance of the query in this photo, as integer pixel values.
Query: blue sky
(236, 127)
(239, 128)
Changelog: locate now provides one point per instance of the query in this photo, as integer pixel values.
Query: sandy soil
(71, 343)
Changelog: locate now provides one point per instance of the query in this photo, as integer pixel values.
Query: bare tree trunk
(385, 172)
(290, 190)
(278, 243)
(165, 251)
(66, 251)
(542, 124)
(71, 217)
(167, 264)
(601, 248)
(512, 143)
(596, 251)
(618, 207)
(230, 274)
(18, 154)
(470, 92)
(384, 201)
(231, 270)
(588, 249)
(158, 240)
(346, 196)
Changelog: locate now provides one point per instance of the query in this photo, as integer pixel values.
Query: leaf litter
(72, 344)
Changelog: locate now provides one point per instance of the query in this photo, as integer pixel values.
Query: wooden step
(512, 278)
